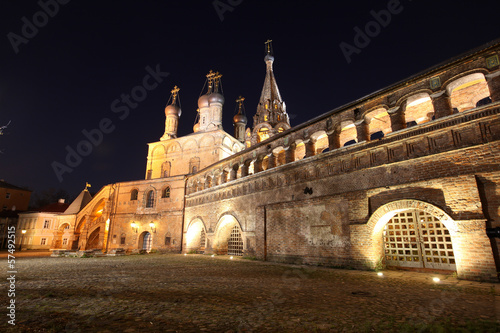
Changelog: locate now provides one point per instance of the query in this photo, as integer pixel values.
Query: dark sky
(64, 78)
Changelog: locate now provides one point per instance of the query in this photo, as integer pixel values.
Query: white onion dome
(173, 110)
(203, 101)
(216, 98)
(240, 118)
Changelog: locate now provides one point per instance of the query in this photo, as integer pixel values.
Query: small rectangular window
(43, 241)
(65, 241)
(7, 195)
(46, 224)
(122, 240)
(167, 240)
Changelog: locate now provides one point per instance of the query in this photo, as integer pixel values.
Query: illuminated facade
(406, 177)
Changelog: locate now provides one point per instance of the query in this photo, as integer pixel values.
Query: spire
(271, 108)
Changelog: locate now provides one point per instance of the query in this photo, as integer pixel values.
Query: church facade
(406, 177)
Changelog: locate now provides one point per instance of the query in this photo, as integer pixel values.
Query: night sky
(65, 77)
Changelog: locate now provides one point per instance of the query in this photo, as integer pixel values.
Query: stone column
(333, 140)
(442, 104)
(310, 147)
(257, 165)
(290, 153)
(362, 130)
(244, 169)
(493, 81)
(397, 115)
(271, 161)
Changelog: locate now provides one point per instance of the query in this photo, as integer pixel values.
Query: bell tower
(271, 117)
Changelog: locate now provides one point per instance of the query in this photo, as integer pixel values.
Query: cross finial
(269, 46)
(210, 78)
(240, 103)
(174, 92)
(216, 78)
(87, 185)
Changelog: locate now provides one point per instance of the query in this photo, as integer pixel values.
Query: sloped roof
(57, 207)
(4, 184)
(81, 201)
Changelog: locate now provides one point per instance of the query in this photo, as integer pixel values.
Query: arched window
(166, 192)
(133, 194)
(150, 199)
(263, 134)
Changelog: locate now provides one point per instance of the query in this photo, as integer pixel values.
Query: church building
(407, 177)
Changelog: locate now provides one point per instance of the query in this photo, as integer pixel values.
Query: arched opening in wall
(263, 134)
(320, 141)
(196, 237)
(165, 193)
(300, 151)
(228, 237)
(280, 155)
(165, 169)
(93, 240)
(251, 168)
(62, 232)
(419, 109)
(348, 134)
(467, 91)
(76, 238)
(133, 194)
(379, 123)
(146, 241)
(414, 238)
(208, 182)
(265, 163)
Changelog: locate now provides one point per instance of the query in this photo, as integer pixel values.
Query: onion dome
(216, 98)
(173, 110)
(203, 101)
(240, 118)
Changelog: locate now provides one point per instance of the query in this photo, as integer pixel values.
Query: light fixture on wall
(22, 238)
(134, 226)
(152, 226)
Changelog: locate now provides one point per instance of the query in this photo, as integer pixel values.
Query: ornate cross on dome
(240, 103)
(269, 46)
(174, 92)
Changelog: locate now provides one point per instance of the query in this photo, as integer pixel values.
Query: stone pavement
(198, 293)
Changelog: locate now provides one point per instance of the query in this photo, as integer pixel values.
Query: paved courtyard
(197, 293)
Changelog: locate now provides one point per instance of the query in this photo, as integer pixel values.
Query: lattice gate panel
(202, 240)
(235, 243)
(417, 239)
(401, 241)
(436, 240)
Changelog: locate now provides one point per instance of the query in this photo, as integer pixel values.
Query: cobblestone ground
(196, 293)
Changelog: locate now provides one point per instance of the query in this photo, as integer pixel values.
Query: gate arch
(228, 236)
(403, 214)
(196, 239)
